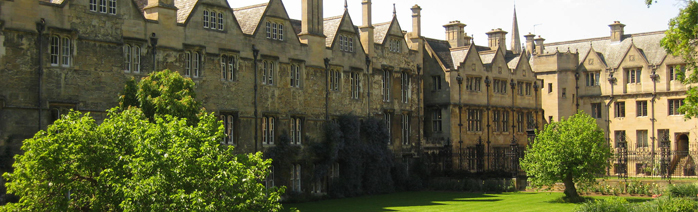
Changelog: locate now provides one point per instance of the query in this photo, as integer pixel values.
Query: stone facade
(480, 101)
(77, 54)
(630, 85)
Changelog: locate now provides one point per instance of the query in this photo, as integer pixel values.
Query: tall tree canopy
(163, 92)
(681, 40)
(134, 161)
(572, 151)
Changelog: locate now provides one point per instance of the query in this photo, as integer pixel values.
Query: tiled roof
(442, 50)
(613, 52)
(184, 8)
(380, 31)
(330, 26)
(249, 17)
(513, 61)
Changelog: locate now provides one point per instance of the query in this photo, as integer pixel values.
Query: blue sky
(555, 20)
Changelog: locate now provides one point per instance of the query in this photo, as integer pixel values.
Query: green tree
(681, 40)
(572, 151)
(129, 163)
(163, 92)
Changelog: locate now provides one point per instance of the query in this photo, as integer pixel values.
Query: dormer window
(103, 6)
(346, 43)
(275, 30)
(394, 45)
(213, 20)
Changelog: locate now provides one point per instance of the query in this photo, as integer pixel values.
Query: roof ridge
(332, 17)
(384, 23)
(251, 6)
(604, 38)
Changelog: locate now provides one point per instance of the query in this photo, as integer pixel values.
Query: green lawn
(446, 201)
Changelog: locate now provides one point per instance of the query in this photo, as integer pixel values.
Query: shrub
(683, 190)
(613, 204)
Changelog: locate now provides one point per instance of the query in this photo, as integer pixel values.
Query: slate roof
(380, 31)
(442, 50)
(53, 1)
(487, 56)
(249, 17)
(612, 53)
(184, 9)
(330, 27)
(297, 26)
(458, 56)
(141, 4)
(513, 61)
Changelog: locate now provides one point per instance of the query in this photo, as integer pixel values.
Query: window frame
(296, 130)
(295, 75)
(405, 129)
(437, 120)
(641, 108)
(269, 68)
(673, 105)
(436, 82)
(592, 79)
(474, 120)
(274, 30)
(386, 81)
(355, 81)
(268, 130)
(596, 110)
(634, 75)
(641, 139)
(619, 109)
(473, 83)
(228, 120)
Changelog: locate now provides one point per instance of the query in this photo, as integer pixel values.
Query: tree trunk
(570, 189)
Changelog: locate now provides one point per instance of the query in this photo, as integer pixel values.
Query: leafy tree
(571, 151)
(128, 163)
(681, 40)
(163, 92)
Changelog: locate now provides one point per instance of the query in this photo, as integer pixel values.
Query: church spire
(515, 38)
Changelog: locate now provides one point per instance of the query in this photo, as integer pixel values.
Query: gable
(593, 62)
(633, 57)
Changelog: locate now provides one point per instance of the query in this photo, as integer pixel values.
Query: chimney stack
(617, 31)
(163, 11)
(416, 21)
(367, 28)
(497, 39)
(455, 33)
(540, 47)
(530, 45)
(312, 20)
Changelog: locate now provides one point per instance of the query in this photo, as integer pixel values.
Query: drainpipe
(611, 81)
(419, 107)
(368, 83)
(327, 89)
(154, 43)
(576, 91)
(255, 53)
(40, 26)
(654, 78)
(487, 84)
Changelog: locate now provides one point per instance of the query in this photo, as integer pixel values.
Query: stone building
(262, 72)
(630, 85)
(480, 101)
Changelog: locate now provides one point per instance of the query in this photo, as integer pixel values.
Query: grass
(447, 201)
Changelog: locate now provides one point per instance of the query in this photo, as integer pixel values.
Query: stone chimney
(616, 31)
(540, 47)
(530, 45)
(497, 39)
(312, 20)
(455, 33)
(163, 11)
(367, 28)
(467, 39)
(416, 21)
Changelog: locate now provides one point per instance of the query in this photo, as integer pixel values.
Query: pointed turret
(515, 38)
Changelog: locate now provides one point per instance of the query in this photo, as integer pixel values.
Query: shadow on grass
(382, 202)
